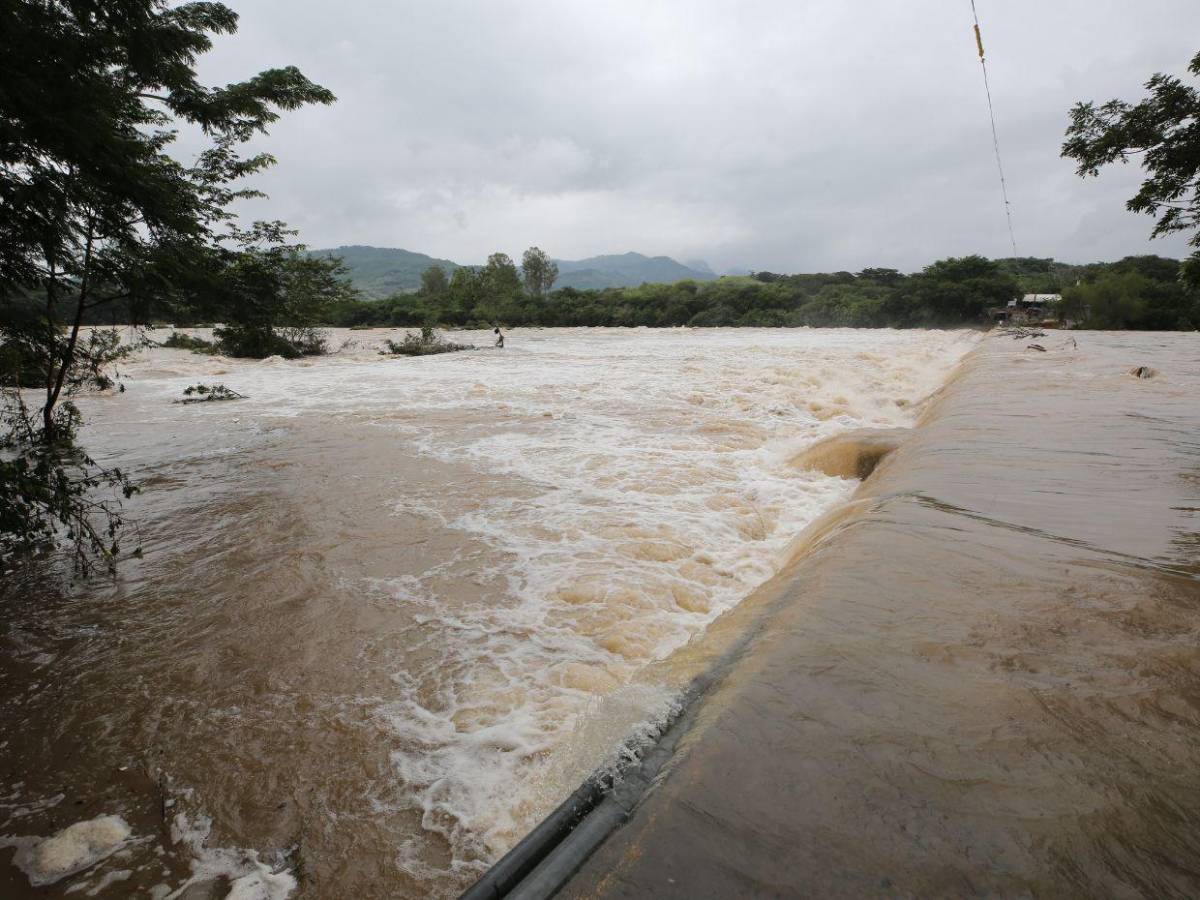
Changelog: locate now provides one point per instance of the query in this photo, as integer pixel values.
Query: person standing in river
(499, 339)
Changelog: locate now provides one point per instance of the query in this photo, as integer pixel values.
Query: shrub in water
(424, 344)
(259, 343)
(177, 340)
(206, 393)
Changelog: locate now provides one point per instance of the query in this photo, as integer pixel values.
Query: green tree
(273, 295)
(1115, 300)
(1162, 130)
(500, 278)
(951, 292)
(434, 282)
(93, 208)
(881, 276)
(539, 270)
(500, 289)
(464, 295)
(1135, 292)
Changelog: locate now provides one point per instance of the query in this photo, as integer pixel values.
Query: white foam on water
(103, 884)
(77, 847)
(83, 845)
(20, 811)
(653, 492)
(249, 877)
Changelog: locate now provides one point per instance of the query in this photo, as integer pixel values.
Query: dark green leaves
(96, 213)
(1164, 130)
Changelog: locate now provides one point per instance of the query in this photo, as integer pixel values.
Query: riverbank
(983, 679)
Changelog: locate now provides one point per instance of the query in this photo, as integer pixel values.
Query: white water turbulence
(530, 528)
(651, 491)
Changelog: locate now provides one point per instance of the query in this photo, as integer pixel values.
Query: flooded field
(390, 611)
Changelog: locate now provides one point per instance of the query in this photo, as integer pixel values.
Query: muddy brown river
(391, 611)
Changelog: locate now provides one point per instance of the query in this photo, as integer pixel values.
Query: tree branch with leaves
(1162, 132)
(95, 209)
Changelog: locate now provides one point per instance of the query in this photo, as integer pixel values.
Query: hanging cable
(995, 140)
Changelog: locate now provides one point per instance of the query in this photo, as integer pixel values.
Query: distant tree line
(1137, 292)
(265, 293)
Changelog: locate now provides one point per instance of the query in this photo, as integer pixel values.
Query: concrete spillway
(983, 679)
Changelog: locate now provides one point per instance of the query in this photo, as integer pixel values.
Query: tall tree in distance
(1164, 130)
(499, 288)
(463, 294)
(434, 282)
(93, 209)
(540, 272)
(500, 275)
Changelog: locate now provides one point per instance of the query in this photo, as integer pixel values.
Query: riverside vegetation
(1145, 292)
(114, 230)
(114, 222)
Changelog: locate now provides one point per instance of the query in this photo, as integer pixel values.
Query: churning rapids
(391, 611)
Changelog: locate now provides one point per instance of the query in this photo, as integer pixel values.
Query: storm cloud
(790, 136)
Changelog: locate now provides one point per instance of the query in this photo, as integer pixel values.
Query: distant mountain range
(380, 271)
(626, 270)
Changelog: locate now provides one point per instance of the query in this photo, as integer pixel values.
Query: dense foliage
(49, 486)
(1163, 131)
(177, 340)
(270, 296)
(95, 213)
(950, 292)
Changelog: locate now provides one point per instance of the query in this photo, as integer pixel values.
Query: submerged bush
(426, 343)
(52, 491)
(177, 340)
(207, 393)
(261, 342)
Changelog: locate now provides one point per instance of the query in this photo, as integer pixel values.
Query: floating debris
(206, 393)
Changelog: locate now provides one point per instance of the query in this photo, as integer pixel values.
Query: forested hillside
(381, 271)
(625, 270)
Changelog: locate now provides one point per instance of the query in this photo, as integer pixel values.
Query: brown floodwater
(391, 611)
(982, 676)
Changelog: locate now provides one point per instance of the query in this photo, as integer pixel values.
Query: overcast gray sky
(791, 135)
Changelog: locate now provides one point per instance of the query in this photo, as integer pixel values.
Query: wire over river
(995, 139)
